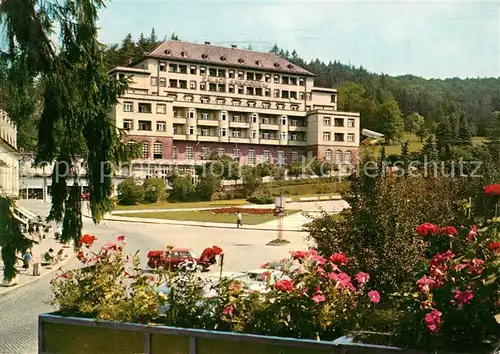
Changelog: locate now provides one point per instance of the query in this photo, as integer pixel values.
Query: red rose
(495, 247)
(493, 190)
(448, 231)
(87, 240)
(338, 258)
(427, 229)
(284, 285)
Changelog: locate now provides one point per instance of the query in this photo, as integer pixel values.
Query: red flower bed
(234, 210)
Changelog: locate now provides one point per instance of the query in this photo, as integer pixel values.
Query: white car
(261, 275)
(213, 280)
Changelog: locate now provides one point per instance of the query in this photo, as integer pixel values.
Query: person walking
(239, 221)
(27, 260)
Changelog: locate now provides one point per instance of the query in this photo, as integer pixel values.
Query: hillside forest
(453, 110)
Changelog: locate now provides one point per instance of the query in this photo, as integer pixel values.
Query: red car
(179, 255)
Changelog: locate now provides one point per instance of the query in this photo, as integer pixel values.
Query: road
(244, 250)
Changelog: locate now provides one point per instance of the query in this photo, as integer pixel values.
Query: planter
(58, 334)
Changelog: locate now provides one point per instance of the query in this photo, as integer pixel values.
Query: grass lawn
(186, 205)
(204, 216)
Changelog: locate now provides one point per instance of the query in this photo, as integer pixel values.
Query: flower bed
(235, 210)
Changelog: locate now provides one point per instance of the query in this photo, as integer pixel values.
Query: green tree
(390, 123)
(414, 122)
(351, 97)
(174, 37)
(129, 192)
(430, 149)
(78, 95)
(154, 190)
(183, 189)
(295, 169)
(251, 180)
(153, 39)
(207, 186)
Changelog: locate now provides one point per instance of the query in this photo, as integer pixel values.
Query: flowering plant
(209, 254)
(316, 298)
(456, 299)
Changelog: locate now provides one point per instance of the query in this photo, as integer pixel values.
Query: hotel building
(188, 102)
(9, 157)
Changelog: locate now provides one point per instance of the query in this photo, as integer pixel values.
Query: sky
(429, 39)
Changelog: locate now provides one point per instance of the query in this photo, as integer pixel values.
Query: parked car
(263, 275)
(213, 281)
(178, 256)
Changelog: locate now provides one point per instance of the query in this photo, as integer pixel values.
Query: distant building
(9, 158)
(190, 102)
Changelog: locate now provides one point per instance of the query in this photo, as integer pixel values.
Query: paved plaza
(244, 249)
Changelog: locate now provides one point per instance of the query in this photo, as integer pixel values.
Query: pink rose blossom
(433, 320)
(426, 284)
(284, 285)
(374, 296)
(120, 238)
(463, 297)
(472, 233)
(317, 298)
(228, 310)
(362, 278)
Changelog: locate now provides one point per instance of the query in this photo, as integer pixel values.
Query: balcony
(264, 126)
(179, 136)
(241, 140)
(214, 138)
(239, 125)
(297, 128)
(297, 143)
(269, 141)
(179, 120)
(208, 122)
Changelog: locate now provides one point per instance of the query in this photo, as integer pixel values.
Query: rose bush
(456, 299)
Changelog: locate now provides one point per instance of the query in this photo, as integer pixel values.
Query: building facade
(9, 157)
(188, 102)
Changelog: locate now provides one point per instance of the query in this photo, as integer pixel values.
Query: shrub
(129, 192)
(261, 199)
(378, 232)
(251, 180)
(207, 186)
(154, 190)
(455, 300)
(183, 189)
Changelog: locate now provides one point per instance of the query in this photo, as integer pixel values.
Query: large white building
(9, 157)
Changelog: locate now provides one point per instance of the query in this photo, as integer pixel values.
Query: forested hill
(384, 101)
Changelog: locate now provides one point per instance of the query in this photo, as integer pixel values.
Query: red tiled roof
(210, 54)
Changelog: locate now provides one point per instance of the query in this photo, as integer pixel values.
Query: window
(258, 77)
(231, 74)
(276, 79)
(326, 136)
(293, 137)
(250, 91)
(284, 80)
(294, 122)
(281, 158)
(250, 76)
(161, 126)
(328, 155)
(174, 152)
(163, 82)
(144, 107)
(241, 75)
(236, 153)
(338, 122)
(189, 153)
(276, 93)
(205, 132)
(283, 120)
(301, 81)
(203, 70)
(203, 87)
(236, 133)
(154, 81)
(266, 135)
(268, 77)
(265, 120)
(222, 132)
(128, 124)
(212, 72)
(347, 157)
(231, 88)
(157, 150)
(350, 123)
(191, 130)
(128, 106)
(267, 93)
(144, 125)
(301, 95)
(192, 70)
(310, 155)
(284, 136)
(223, 116)
(327, 121)
(241, 90)
(204, 153)
(145, 150)
(295, 156)
(192, 85)
(251, 157)
(221, 152)
(236, 119)
(333, 98)
(338, 136)
(338, 157)
(191, 114)
(172, 68)
(254, 118)
(254, 134)
(266, 156)
(204, 116)
(221, 88)
(350, 138)
(161, 108)
(293, 81)
(163, 66)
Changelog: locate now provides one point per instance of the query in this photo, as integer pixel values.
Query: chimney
(207, 43)
(234, 46)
